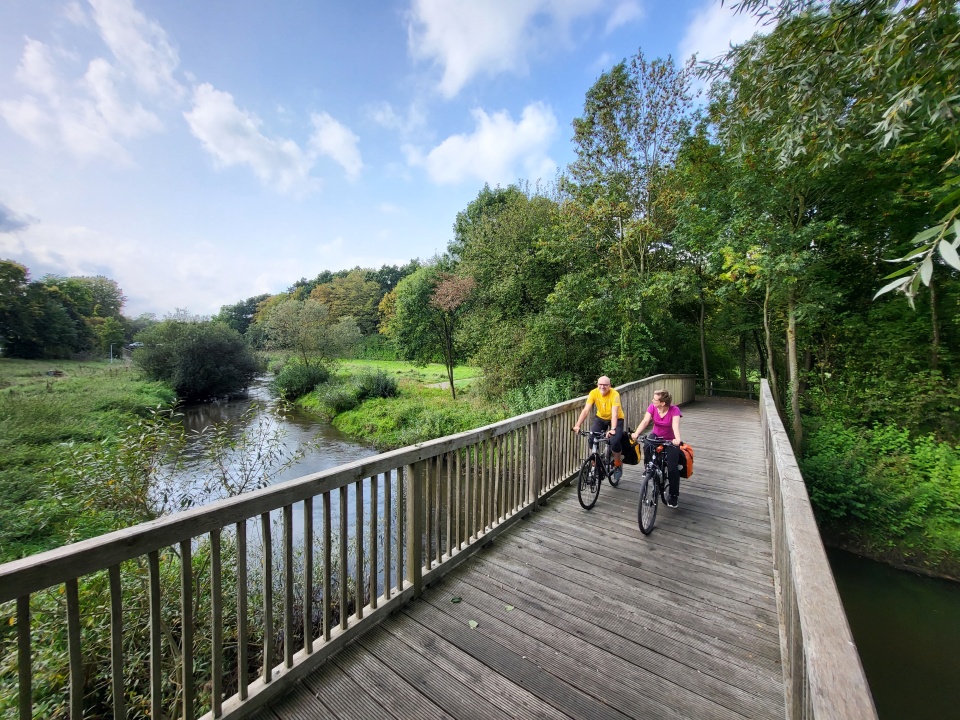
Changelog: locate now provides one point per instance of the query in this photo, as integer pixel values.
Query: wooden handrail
(823, 677)
(432, 505)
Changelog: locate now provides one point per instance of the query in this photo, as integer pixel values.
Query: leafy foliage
(200, 360)
(296, 379)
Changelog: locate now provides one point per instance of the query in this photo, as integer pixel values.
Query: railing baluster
(288, 586)
(448, 462)
(327, 565)
(267, 597)
(457, 507)
(156, 692)
(374, 539)
(400, 515)
(242, 590)
(116, 642)
(497, 463)
(216, 624)
(186, 631)
(430, 470)
(358, 535)
(73, 649)
(308, 575)
(387, 527)
(24, 658)
(437, 495)
(342, 569)
(468, 500)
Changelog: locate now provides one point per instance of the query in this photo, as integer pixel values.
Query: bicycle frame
(597, 467)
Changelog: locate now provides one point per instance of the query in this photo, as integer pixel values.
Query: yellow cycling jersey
(604, 404)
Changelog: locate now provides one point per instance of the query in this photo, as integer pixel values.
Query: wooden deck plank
(581, 616)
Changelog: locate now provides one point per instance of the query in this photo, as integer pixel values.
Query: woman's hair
(665, 396)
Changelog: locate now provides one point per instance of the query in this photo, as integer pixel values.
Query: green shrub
(296, 380)
(545, 393)
(888, 488)
(375, 385)
(337, 397)
(200, 360)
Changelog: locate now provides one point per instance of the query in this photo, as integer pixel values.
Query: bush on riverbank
(886, 492)
(296, 380)
(200, 360)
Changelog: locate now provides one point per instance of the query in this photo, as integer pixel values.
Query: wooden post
(415, 478)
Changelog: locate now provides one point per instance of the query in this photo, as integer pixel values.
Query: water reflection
(907, 630)
(324, 446)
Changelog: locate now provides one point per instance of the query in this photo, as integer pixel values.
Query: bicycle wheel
(649, 499)
(588, 484)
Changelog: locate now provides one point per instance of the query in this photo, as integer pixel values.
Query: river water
(907, 629)
(906, 626)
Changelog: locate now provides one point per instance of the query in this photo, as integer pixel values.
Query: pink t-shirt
(663, 426)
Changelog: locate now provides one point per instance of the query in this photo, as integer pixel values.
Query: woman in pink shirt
(666, 424)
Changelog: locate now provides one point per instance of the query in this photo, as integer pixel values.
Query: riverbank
(423, 409)
(44, 407)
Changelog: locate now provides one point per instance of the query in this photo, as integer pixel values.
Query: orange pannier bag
(686, 460)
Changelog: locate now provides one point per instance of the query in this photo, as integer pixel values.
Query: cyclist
(609, 419)
(666, 424)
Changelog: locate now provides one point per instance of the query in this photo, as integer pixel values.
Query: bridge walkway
(575, 614)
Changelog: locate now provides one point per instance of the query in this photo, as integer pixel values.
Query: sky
(201, 153)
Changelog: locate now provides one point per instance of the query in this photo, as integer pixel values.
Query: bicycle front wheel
(588, 484)
(649, 499)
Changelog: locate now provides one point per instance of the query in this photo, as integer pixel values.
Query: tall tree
(851, 75)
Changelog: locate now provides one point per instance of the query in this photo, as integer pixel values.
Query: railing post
(415, 477)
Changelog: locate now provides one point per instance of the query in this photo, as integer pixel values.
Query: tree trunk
(703, 346)
(768, 341)
(794, 371)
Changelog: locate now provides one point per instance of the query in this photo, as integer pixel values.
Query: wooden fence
(214, 611)
(821, 668)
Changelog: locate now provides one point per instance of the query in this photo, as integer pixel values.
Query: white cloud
(91, 114)
(139, 45)
(714, 28)
(498, 151)
(336, 141)
(624, 14)
(491, 37)
(233, 137)
(384, 115)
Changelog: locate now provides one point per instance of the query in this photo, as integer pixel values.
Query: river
(906, 626)
(907, 629)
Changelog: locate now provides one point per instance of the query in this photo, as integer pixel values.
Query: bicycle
(598, 465)
(654, 487)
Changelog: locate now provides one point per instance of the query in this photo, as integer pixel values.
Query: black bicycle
(598, 465)
(653, 488)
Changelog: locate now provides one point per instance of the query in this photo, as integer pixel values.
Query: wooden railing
(278, 579)
(823, 677)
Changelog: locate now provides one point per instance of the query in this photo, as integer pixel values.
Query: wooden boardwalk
(578, 615)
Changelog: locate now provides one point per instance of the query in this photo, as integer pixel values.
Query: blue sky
(200, 153)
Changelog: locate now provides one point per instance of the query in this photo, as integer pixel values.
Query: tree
(426, 308)
(353, 295)
(851, 75)
(239, 315)
(303, 328)
(200, 360)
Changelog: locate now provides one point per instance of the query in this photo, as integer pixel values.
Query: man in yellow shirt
(609, 418)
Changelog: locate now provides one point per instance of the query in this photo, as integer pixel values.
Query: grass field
(427, 375)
